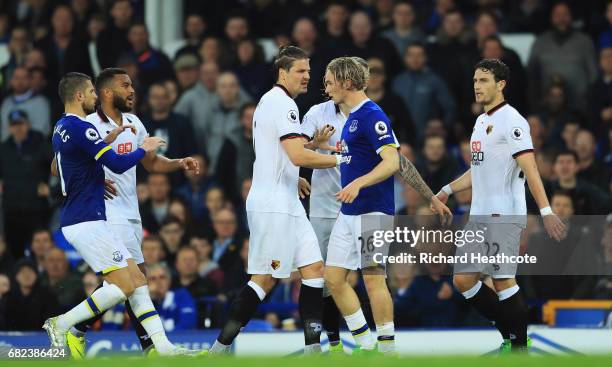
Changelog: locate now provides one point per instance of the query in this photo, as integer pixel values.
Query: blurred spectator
(153, 250)
(587, 198)
(187, 68)
(172, 127)
(64, 52)
(194, 189)
(176, 307)
(188, 276)
(196, 103)
(242, 154)
(155, 210)
(42, 242)
(223, 120)
(211, 50)
(391, 103)
(207, 268)
(35, 58)
(433, 19)
(226, 245)
(153, 65)
(24, 170)
(18, 46)
(236, 30)
(6, 258)
(492, 48)
(555, 113)
(334, 35)
(195, 29)
(23, 97)
(112, 42)
(591, 169)
(29, 303)
(172, 232)
(432, 299)
(605, 38)
(436, 167)
(173, 91)
(214, 201)
(600, 96)
(66, 285)
(422, 91)
(178, 209)
(412, 200)
(95, 26)
(405, 30)
(304, 36)
(603, 287)
(365, 44)
(565, 51)
(253, 73)
(383, 17)
(34, 15)
(5, 285)
(527, 16)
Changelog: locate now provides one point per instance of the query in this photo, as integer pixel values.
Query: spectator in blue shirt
(176, 307)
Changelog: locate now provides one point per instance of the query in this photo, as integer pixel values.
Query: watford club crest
(489, 129)
(275, 264)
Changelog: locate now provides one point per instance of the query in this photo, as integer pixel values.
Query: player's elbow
(297, 158)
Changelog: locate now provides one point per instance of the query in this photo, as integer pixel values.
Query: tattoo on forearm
(412, 177)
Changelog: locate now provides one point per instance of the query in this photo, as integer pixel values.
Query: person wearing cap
(29, 303)
(25, 158)
(187, 68)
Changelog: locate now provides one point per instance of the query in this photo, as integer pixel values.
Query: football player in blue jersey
(369, 150)
(80, 154)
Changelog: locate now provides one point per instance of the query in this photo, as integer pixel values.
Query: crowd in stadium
(199, 94)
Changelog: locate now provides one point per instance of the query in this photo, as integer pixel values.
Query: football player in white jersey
(282, 238)
(124, 132)
(502, 159)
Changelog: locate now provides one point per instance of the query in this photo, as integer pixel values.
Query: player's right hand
(439, 208)
(109, 190)
(152, 143)
(303, 188)
(555, 228)
(442, 196)
(112, 136)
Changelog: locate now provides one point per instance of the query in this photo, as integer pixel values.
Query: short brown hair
(70, 84)
(287, 55)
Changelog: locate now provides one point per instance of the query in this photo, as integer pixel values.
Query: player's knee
(333, 282)
(375, 283)
(313, 270)
(463, 283)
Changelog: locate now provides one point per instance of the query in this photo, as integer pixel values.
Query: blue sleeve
(86, 137)
(187, 312)
(378, 131)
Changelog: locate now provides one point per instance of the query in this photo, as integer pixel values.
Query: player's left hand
(439, 208)
(190, 164)
(555, 228)
(349, 193)
(110, 191)
(303, 188)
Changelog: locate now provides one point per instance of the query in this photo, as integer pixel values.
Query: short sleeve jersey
(124, 206)
(275, 179)
(325, 183)
(365, 134)
(498, 185)
(77, 146)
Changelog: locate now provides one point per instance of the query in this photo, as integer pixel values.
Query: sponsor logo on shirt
(275, 264)
(117, 256)
(477, 153)
(381, 128)
(489, 129)
(517, 133)
(92, 134)
(292, 116)
(353, 126)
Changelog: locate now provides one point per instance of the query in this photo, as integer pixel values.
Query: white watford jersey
(498, 184)
(125, 205)
(325, 183)
(275, 178)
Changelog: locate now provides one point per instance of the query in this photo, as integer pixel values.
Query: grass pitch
(510, 361)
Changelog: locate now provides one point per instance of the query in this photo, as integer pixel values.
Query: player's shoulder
(372, 113)
(321, 109)
(511, 116)
(133, 119)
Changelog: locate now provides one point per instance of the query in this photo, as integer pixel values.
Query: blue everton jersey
(366, 132)
(77, 147)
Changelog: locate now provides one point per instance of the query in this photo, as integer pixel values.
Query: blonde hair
(350, 69)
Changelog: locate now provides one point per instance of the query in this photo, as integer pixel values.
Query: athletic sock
(241, 311)
(143, 337)
(361, 331)
(386, 337)
(83, 327)
(311, 309)
(331, 320)
(143, 309)
(486, 301)
(514, 310)
(100, 300)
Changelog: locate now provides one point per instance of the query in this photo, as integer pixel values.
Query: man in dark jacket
(25, 159)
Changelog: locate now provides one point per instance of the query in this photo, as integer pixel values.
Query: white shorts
(348, 249)
(323, 228)
(279, 243)
(131, 234)
(101, 248)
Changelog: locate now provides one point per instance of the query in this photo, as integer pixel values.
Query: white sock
(99, 301)
(259, 290)
(386, 337)
(472, 291)
(144, 310)
(312, 349)
(361, 331)
(76, 332)
(508, 292)
(220, 348)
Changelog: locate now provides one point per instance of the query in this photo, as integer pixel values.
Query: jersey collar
(359, 105)
(284, 90)
(492, 110)
(77, 116)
